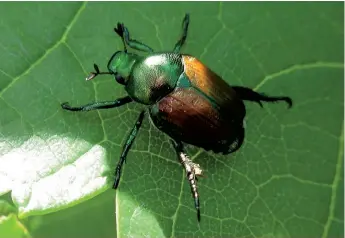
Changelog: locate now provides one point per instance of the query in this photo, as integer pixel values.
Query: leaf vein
(336, 181)
(48, 51)
(296, 67)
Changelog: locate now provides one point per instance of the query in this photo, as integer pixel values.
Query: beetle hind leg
(250, 95)
(183, 37)
(192, 170)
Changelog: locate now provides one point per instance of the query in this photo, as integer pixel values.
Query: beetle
(184, 99)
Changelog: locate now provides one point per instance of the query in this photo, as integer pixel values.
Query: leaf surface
(287, 179)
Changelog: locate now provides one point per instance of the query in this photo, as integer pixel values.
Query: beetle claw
(119, 29)
(288, 101)
(260, 103)
(65, 105)
(95, 66)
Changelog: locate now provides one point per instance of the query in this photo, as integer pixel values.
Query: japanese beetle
(184, 98)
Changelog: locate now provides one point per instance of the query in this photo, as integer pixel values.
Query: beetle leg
(250, 95)
(126, 148)
(123, 32)
(98, 105)
(192, 170)
(183, 37)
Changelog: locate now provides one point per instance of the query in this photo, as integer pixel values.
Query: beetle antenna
(96, 73)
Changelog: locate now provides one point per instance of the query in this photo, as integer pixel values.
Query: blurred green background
(287, 179)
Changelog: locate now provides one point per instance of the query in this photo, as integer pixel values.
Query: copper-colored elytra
(198, 73)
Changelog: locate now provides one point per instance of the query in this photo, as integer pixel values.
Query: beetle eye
(119, 79)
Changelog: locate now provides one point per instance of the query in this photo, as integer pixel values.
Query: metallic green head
(120, 64)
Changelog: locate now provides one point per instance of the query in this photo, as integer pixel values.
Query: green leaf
(11, 227)
(6, 208)
(287, 179)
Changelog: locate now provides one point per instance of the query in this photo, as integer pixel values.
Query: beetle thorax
(153, 77)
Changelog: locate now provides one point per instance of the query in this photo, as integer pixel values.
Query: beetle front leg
(126, 148)
(250, 95)
(183, 37)
(123, 32)
(192, 170)
(98, 105)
